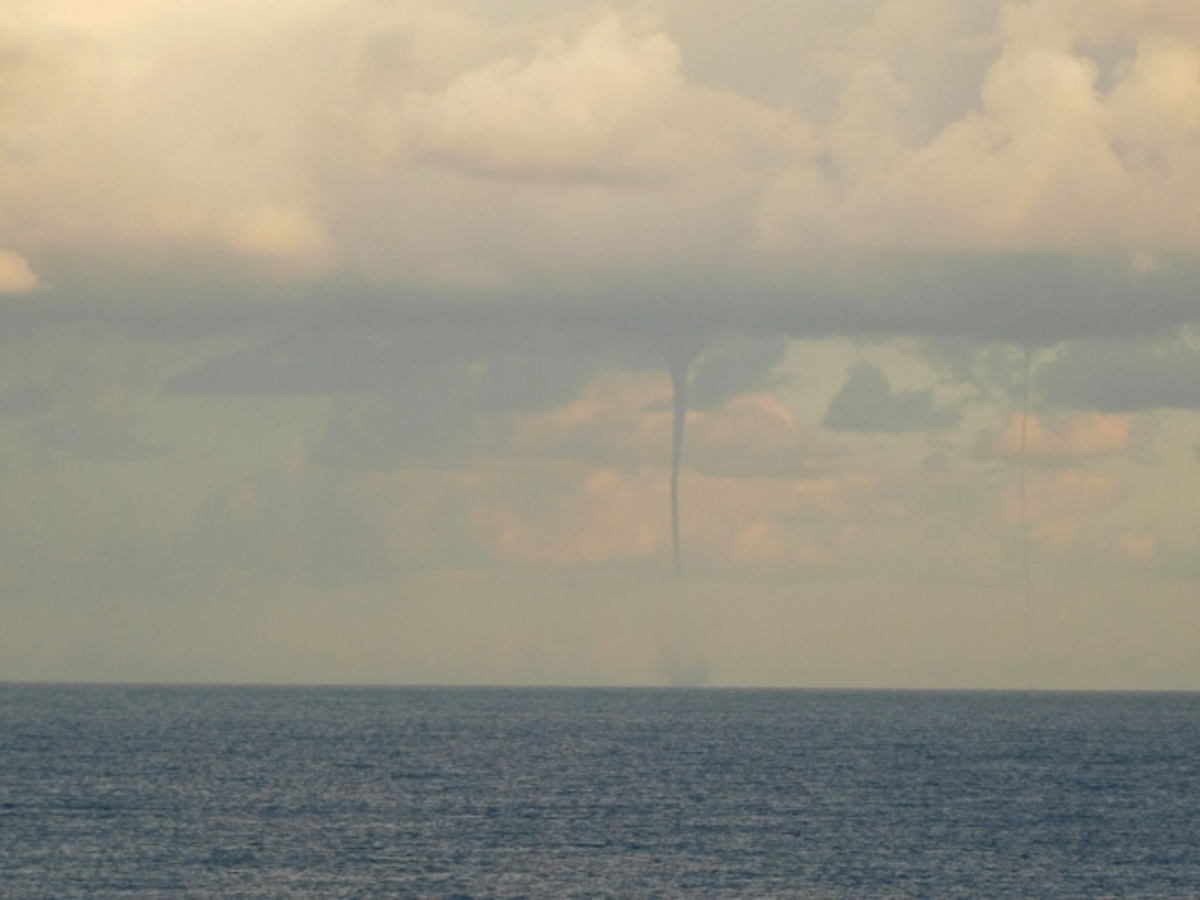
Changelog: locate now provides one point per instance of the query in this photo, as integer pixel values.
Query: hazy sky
(335, 334)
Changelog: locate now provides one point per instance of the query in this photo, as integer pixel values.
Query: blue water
(295, 792)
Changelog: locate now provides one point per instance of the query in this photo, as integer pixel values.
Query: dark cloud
(526, 367)
(25, 402)
(335, 363)
(81, 413)
(1116, 376)
(90, 434)
(1023, 299)
(411, 392)
(866, 404)
(92, 416)
(732, 365)
(430, 365)
(425, 389)
(723, 365)
(993, 372)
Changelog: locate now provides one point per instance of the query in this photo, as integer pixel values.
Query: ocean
(128, 791)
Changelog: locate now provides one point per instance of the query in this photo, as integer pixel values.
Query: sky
(337, 340)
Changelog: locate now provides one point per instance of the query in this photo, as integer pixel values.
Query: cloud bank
(610, 163)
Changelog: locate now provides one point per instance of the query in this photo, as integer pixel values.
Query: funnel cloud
(679, 402)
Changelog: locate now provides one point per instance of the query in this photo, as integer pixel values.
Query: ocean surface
(439, 792)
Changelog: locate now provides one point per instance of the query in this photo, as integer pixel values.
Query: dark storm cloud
(866, 404)
(520, 365)
(26, 401)
(90, 434)
(80, 413)
(731, 365)
(419, 389)
(1122, 376)
(1026, 299)
(415, 390)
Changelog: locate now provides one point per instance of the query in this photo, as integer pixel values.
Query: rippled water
(146, 791)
